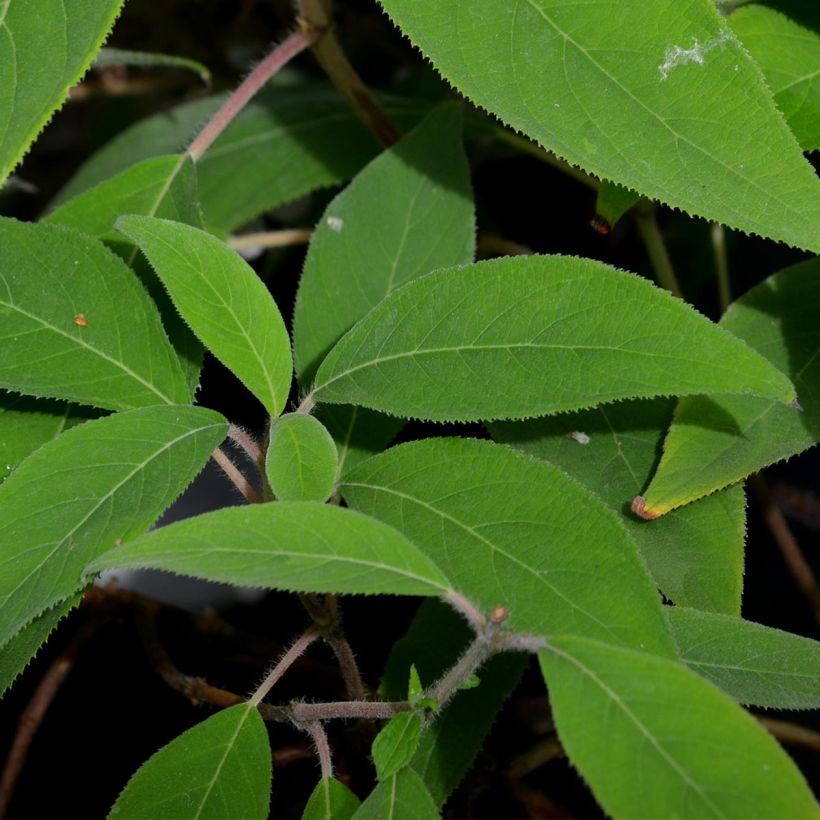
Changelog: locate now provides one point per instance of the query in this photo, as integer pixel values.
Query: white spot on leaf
(581, 438)
(675, 56)
(335, 223)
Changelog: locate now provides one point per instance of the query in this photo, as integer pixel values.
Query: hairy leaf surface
(677, 111)
(45, 48)
(331, 800)
(221, 768)
(754, 664)
(75, 496)
(717, 440)
(530, 336)
(77, 324)
(409, 212)
(223, 300)
(790, 58)
(298, 545)
(301, 460)
(509, 530)
(653, 739)
(695, 554)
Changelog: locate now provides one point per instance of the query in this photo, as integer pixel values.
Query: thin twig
(348, 709)
(313, 17)
(271, 239)
(237, 479)
(474, 617)
(789, 548)
(285, 662)
(319, 736)
(280, 56)
(247, 443)
(792, 734)
(36, 710)
(718, 235)
(656, 247)
(347, 665)
(536, 756)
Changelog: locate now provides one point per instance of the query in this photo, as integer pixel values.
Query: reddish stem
(237, 479)
(287, 660)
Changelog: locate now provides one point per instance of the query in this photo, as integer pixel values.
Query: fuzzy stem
(347, 665)
(248, 445)
(237, 479)
(473, 616)
(656, 248)
(319, 736)
(474, 656)
(307, 405)
(298, 648)
(271, 239)
(721, 265)
(280, 56)
(348, 709)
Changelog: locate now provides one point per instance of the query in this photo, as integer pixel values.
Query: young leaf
(221, 768)
(26, 424)
(296, 545)
(448, 746)
(44, 49)
(529, 336)
(718, 440)
(287, 142)
(753, 664)
(632, 114)
(509, 530)
(790, 58)
(301, 459)
(695, 554)
(149, 59)
(653, 739)
(376, 235)
(71, 499)
(331, 800)
(78, 325)
(612, 202)
(396, 744)
(19, 650)
(401, 797)
(224, 302)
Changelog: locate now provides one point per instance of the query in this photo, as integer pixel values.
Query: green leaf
(70, 500)
(301, 459)
(753, 664)
(77, 325)
(449, 744)
(790, 58)
(717, 440)
(529, 336)
(396, 744)
(26, 424)
(677, 111)
(147, 59)
(223, 300)
(612, 202)
(221, 768)
(376, 235)
(653, 739)
(509, 530)
(401, 797)
(694, 554)
(45, 48)
(18, 651)
(415, 691)
(288, 141)
(295, 545)
(331, 800)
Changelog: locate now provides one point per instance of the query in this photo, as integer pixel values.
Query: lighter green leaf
(530, 336)
(76, 324)
(19, 650)
(287, 142)
(409, 212)
(26, 424)
(657, 97)
(695, 554)
(148, 59)
(45, 48)
(396, 744)
(401, 797)
(653, 739)
(718, 440)
(331, 800)
(612, 202)
(70, 500)
(298, 545)
(509, 530)
(223, 300)
(790, 58)
(221, 768)
(754, 664)
(301, 459)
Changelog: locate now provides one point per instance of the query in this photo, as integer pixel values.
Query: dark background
(113, 711)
